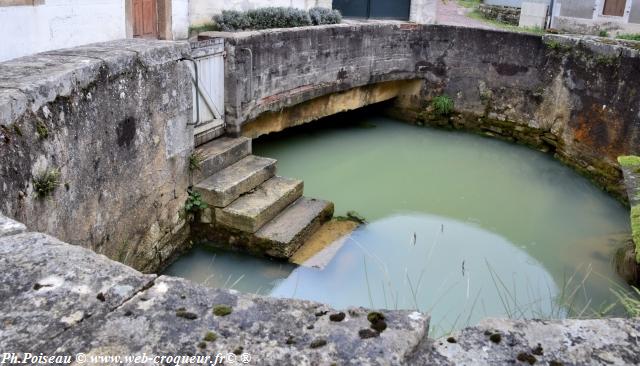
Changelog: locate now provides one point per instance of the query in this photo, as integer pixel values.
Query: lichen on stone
(377, 321)
(368, 333)
(526, 357)
(375, 316)
(338, 317)
(495, 338)
(183, 313)
(318, 343)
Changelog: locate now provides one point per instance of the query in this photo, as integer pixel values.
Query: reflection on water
(218, 268)
(500, 230)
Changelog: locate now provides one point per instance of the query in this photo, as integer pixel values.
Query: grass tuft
(630, 36)
(630, 301)
(442, 105)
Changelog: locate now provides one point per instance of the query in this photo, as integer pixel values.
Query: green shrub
(321, 16)
(442, 105)
(278, 17)
(630, 37)
(231, 20)
(275, 17)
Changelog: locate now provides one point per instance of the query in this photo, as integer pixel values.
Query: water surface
(461, 226)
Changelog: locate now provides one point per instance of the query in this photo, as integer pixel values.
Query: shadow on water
(461, 226)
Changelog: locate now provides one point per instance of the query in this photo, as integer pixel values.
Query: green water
(461, 226)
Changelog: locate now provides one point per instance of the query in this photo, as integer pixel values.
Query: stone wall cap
(43, 77)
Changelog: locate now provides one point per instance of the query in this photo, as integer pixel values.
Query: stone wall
(570, 96)
(80, 302)
(503, 14)
(111, 121)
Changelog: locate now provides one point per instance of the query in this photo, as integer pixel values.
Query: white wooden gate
(207, 72)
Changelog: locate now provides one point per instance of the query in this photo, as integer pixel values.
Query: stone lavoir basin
(459, 226)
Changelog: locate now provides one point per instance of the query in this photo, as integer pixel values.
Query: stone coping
(29, 82)
(60, 299)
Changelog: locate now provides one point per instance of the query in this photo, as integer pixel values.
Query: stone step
(225, 186)
(293, 226)
(251, 211)
(219, 154)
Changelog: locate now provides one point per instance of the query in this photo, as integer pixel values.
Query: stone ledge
(559, 342)
(39, 79)
(48, 287)
(10, 227)
(61, 299)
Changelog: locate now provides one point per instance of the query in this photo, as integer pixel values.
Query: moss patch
(210, 337)
(222, 310)
(629, 161)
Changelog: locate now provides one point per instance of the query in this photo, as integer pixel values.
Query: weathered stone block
(113, 119)
(225, 186)
(10, 227)
(290, 229)
(251, 211)
(566, 342)
(219, 154)
(48, 286)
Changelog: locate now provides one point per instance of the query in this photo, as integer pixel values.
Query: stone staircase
(250, 207)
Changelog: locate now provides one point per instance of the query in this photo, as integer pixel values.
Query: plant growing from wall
(442, 105)
(42, 130)
(194, 203)
(46, 182)
(195, 161)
